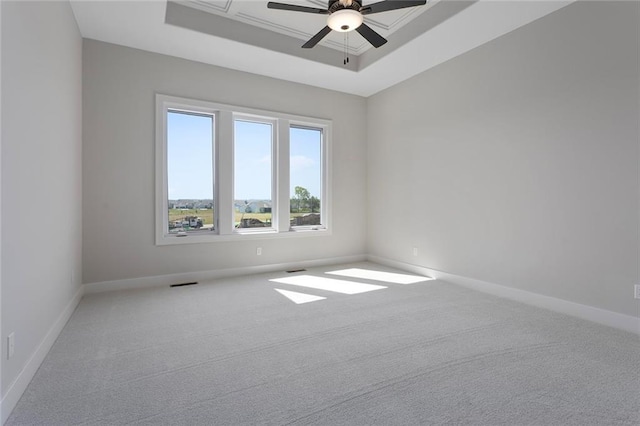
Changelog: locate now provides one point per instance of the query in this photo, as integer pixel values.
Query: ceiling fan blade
(372, 37)
(384, 6)
(296, 8)
(316, 38)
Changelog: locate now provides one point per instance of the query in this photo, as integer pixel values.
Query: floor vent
(295, 270)
(183, 284)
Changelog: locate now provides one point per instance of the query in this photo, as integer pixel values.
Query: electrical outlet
(11, 345)
(259, 251)
(636, 292)
(415, 251)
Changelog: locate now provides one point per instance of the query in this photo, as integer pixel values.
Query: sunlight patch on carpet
(299, 298)
(388, 277)
(328, 284)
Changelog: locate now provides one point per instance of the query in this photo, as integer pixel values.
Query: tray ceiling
(304, 25)
(246, 36)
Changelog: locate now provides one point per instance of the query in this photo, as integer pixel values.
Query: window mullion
(225, 213)
(326, 177)
(283, 177)
(162, 215)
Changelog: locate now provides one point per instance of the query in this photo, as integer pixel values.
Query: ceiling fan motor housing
(344, 15)
(335, 5)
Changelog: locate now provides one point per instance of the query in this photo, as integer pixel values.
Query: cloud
(299, 162)
(265, 160)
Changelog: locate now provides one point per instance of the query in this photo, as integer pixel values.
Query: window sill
(242, 236)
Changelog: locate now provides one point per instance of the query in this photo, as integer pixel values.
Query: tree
(314, 204)
(302, 196)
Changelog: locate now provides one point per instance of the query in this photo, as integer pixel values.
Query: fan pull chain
(346, 48)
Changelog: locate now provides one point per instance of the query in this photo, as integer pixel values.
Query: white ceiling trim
(209, 6)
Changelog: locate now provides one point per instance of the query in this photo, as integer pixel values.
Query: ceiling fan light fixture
(345, 20)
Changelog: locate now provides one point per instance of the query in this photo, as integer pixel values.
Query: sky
(189, 153)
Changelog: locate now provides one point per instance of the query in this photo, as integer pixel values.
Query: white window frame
(223, 173)
(323, 189)
(274, 167)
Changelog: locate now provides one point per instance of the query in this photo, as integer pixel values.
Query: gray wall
(41, 173)
(118, 157)
(517, 163)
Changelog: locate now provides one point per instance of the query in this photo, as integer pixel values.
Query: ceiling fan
(348, 15)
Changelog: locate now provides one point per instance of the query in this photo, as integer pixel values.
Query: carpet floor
(363, 349)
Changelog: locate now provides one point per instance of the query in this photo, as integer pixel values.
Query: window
(253, 173)
(225, 172)
(305, 168)
(190, 198)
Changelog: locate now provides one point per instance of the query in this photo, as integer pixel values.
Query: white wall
(1, 335)
(118, 182)
(41, 182)
(517, 163)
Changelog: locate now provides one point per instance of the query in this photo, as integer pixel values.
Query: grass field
(180, 214)
(207, 215)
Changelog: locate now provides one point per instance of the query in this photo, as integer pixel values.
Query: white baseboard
(19, 385)
(589, 313)
(164, 280)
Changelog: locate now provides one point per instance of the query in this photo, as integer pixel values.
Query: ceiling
(303, 26)
(244, 35)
